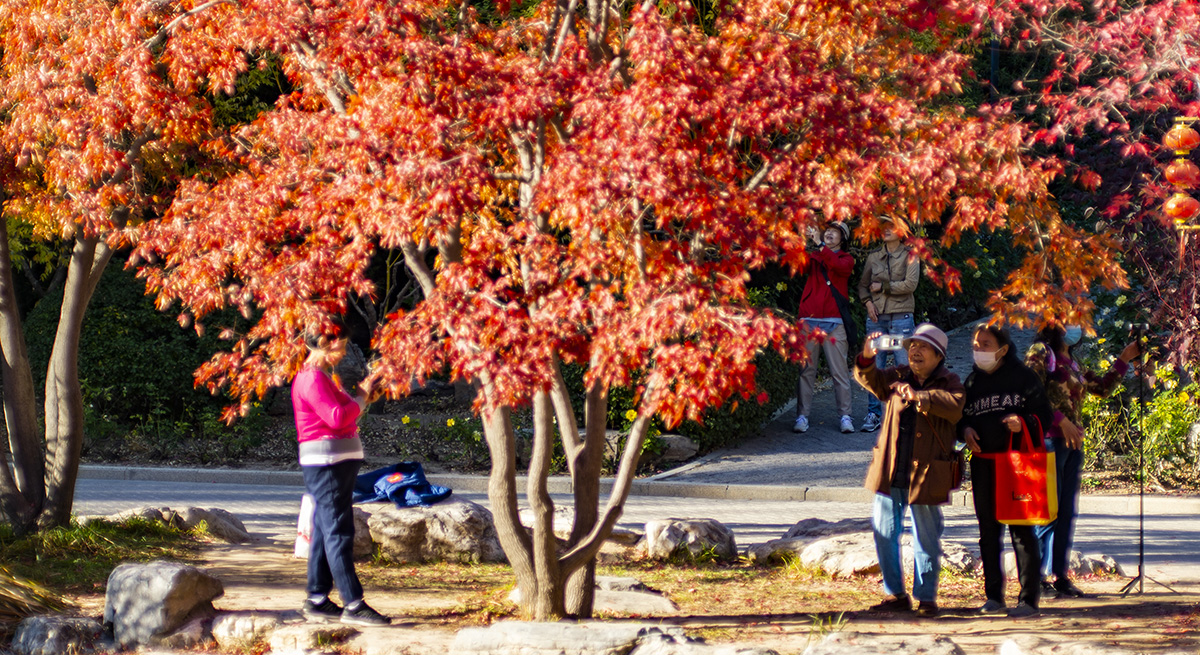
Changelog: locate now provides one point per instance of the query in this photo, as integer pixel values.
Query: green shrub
(1167, 418)
(136, 372)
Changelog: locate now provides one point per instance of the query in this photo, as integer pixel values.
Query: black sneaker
(326, 610)
(893, 604)
(1067, 589)
(364, 615)
(927, 608)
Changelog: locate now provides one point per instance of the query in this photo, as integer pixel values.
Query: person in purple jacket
(330, 456)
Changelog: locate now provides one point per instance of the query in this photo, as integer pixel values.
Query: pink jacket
(326, 419)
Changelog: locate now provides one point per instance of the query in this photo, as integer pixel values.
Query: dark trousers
(991, 540)
(331, 550)
(1058, 537)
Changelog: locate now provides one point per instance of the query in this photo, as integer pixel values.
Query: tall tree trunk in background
(64, 397)
(22, 489)
(585, 482)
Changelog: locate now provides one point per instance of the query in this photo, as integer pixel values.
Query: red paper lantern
(1181, 207)
(1183, 173)
(1182, 139)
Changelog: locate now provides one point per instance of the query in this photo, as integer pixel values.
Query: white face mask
(987, 361)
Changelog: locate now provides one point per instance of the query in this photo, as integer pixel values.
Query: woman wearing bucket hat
(913, 463)
(824, 306)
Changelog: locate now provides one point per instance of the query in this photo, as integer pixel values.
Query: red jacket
(817, 300)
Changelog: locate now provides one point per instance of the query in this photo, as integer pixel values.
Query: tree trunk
(22, 491)
(547, 602)
(585, 479)
(64, 397)
(502, 493)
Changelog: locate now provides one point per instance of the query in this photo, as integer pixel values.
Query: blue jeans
(888, 523)
(331, 550)
(1057, 538)
(895, 324)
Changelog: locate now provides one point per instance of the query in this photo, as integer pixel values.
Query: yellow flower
(782, 286)
(449, 422)
(405, 420)
(1101, 340)
(631, 415)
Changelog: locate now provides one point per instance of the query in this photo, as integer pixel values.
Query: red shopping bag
(1026, 481)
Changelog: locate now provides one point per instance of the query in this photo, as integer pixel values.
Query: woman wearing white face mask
(1001, 393)
(1066, 384)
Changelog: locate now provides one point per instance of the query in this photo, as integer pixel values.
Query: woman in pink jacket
(330, 456)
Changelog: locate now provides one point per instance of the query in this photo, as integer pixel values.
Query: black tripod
(1138, 581)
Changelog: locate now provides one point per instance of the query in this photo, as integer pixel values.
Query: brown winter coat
(939, 407)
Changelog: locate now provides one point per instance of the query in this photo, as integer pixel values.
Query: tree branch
(165, 31)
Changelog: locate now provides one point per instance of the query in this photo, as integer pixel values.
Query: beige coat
(899, 273)
(939, 407)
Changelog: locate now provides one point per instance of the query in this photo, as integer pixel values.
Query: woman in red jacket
(828, 270)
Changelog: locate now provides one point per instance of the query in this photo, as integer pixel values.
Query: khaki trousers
(836, 350)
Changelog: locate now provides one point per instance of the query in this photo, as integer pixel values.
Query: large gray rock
(149, 601)
(564, 521)
(241, 630)
(534, 638)
(800, 536)
(55, 635)
(696, 537)
(842, 556)
(1029, 644)
(626, 596)
(823, 528)
(454, 530)
(851, 643)
(363, 546)
(662, 644)
(778, 551)
(218, 522)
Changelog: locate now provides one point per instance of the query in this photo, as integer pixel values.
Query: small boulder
(241, 630)
(537, 638)
(677, 448)
(823, 528)
(151, 600)
(1093, 564)
(453, 530)
(363, 546)
(852, 643)
(54, 635)
(196, 632)
(696, 537)
(218, 522)
(306, 637)
(778, 551)
(664, 644)
(842, 556)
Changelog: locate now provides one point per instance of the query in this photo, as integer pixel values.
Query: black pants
(991, 540)
(331, 550)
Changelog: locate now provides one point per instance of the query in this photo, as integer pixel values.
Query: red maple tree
(94, 129)
(580, 183)
(1101, 87)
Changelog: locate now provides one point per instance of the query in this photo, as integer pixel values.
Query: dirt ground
(774, 608)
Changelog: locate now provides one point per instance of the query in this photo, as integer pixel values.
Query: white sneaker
(847, 423)
(801, 424)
